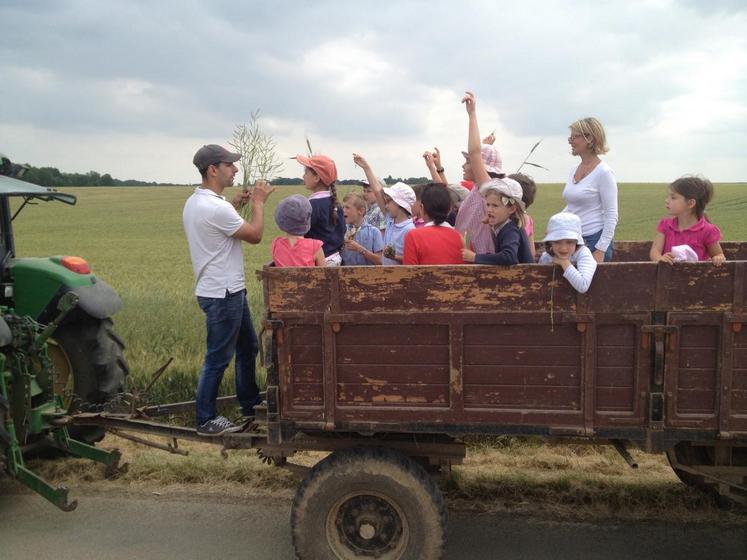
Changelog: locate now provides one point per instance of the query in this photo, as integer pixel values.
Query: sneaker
(217, 426)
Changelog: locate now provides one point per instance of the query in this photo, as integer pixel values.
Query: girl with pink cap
(327, 221)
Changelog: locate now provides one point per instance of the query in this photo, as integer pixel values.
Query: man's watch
(441, 170)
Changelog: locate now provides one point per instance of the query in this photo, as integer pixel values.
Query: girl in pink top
(293, 216)
(688, 224)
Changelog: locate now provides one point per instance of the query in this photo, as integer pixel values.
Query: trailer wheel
(368, 503)
(685, 453)
(729, 484)
(90, 368)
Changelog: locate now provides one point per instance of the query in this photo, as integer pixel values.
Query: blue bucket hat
(293, 215)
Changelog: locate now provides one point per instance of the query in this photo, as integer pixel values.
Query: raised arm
(373, 182)
(436, 153)
(431, 165)
(473, 142)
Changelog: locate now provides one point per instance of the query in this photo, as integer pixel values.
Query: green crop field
(134, 240)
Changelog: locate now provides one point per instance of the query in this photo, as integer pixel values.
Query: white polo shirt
(209, 222)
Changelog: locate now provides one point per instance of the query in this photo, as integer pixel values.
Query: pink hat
(491, 157)
(322, 166)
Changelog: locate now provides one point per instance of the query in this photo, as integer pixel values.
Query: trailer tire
(91, 369)
(689, 455)
(368, 503)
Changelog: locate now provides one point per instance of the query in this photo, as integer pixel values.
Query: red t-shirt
(433, 245)
(300, 254)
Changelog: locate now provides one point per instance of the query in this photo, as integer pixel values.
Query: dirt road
(114, 526)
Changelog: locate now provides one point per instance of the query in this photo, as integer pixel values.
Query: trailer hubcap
(367, 525)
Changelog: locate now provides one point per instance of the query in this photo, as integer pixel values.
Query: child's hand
(351, 245)
(565, 263)
(429, 161)
(469, 102)
(436, 154)
(667, 258)
(489, 139)
(360, 161)
(468, 256)
(389, 252)
(718, 260)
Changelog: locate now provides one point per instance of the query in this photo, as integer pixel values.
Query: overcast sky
(134, 88)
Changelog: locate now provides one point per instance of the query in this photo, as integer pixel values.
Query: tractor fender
(6, 337)
(98, 300)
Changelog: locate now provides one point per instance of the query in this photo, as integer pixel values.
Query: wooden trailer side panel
(396, 347)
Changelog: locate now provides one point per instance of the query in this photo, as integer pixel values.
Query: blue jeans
(591, 243)
(229, 331)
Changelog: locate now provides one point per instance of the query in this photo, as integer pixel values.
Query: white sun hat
(507, 188)
(564, 225)
(402, 195)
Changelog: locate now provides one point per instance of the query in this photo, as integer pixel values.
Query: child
(528, 189)
(564, 246)
(689, 225)
(417, 207)
(363, 242)
(374, 216)
(505, 213)
(483, 163)
(458, 194)
(436, 242)
(396, 201)
(327, 222)
(293, 216)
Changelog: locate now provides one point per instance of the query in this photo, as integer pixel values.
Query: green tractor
(58, 352)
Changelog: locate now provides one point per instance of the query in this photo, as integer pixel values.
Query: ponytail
(333, 204)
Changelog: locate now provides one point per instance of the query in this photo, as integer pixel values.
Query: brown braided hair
(333, 204)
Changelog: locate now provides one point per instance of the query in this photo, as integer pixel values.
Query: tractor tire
(368, 503)
(90, 368)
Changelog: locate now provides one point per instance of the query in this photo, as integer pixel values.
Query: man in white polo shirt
(215, 231)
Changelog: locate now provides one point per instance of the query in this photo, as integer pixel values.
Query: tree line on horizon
(53, 177)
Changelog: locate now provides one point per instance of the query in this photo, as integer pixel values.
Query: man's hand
(360, 161)
(241, 198)
(469, 102)
(262, 191)
(468, 256)
(599, 256)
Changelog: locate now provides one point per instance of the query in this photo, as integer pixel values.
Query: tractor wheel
(90, 369)
(368, 503)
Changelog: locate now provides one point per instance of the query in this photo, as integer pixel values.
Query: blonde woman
(591, 190)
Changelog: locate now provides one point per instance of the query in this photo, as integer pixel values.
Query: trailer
(389, 368)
